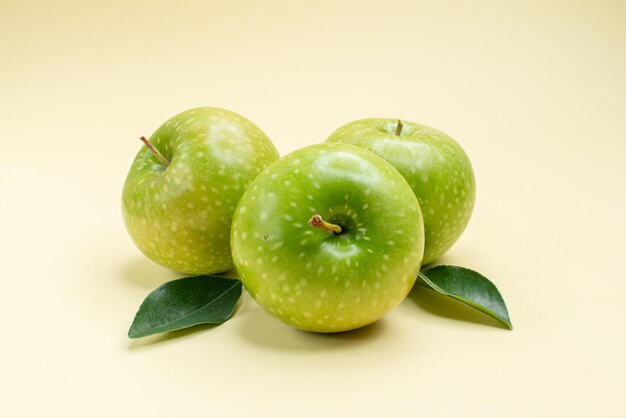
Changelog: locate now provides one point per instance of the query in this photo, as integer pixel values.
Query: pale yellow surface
(534, 91)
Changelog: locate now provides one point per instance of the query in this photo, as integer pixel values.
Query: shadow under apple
(261, 329)
(146, 274)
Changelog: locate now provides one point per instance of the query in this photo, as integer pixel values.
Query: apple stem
(316, 221)
(399, 128)
(155, 152)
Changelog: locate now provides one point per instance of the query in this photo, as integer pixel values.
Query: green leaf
(184, 303)
(469, 287)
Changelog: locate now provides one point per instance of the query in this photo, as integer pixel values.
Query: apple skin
(180, 216)
(311, 278)
(436, 167)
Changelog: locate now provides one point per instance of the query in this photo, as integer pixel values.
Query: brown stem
(155, 152)
(316, 221)
(399, 128)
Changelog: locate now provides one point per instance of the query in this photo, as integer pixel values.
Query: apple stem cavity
(316, 221)
(155, 152)
(399, 128)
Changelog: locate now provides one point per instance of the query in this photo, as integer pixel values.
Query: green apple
(329, 238)
(435, 166)
(183, 186)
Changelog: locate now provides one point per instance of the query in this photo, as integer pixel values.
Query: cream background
(534, 91)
